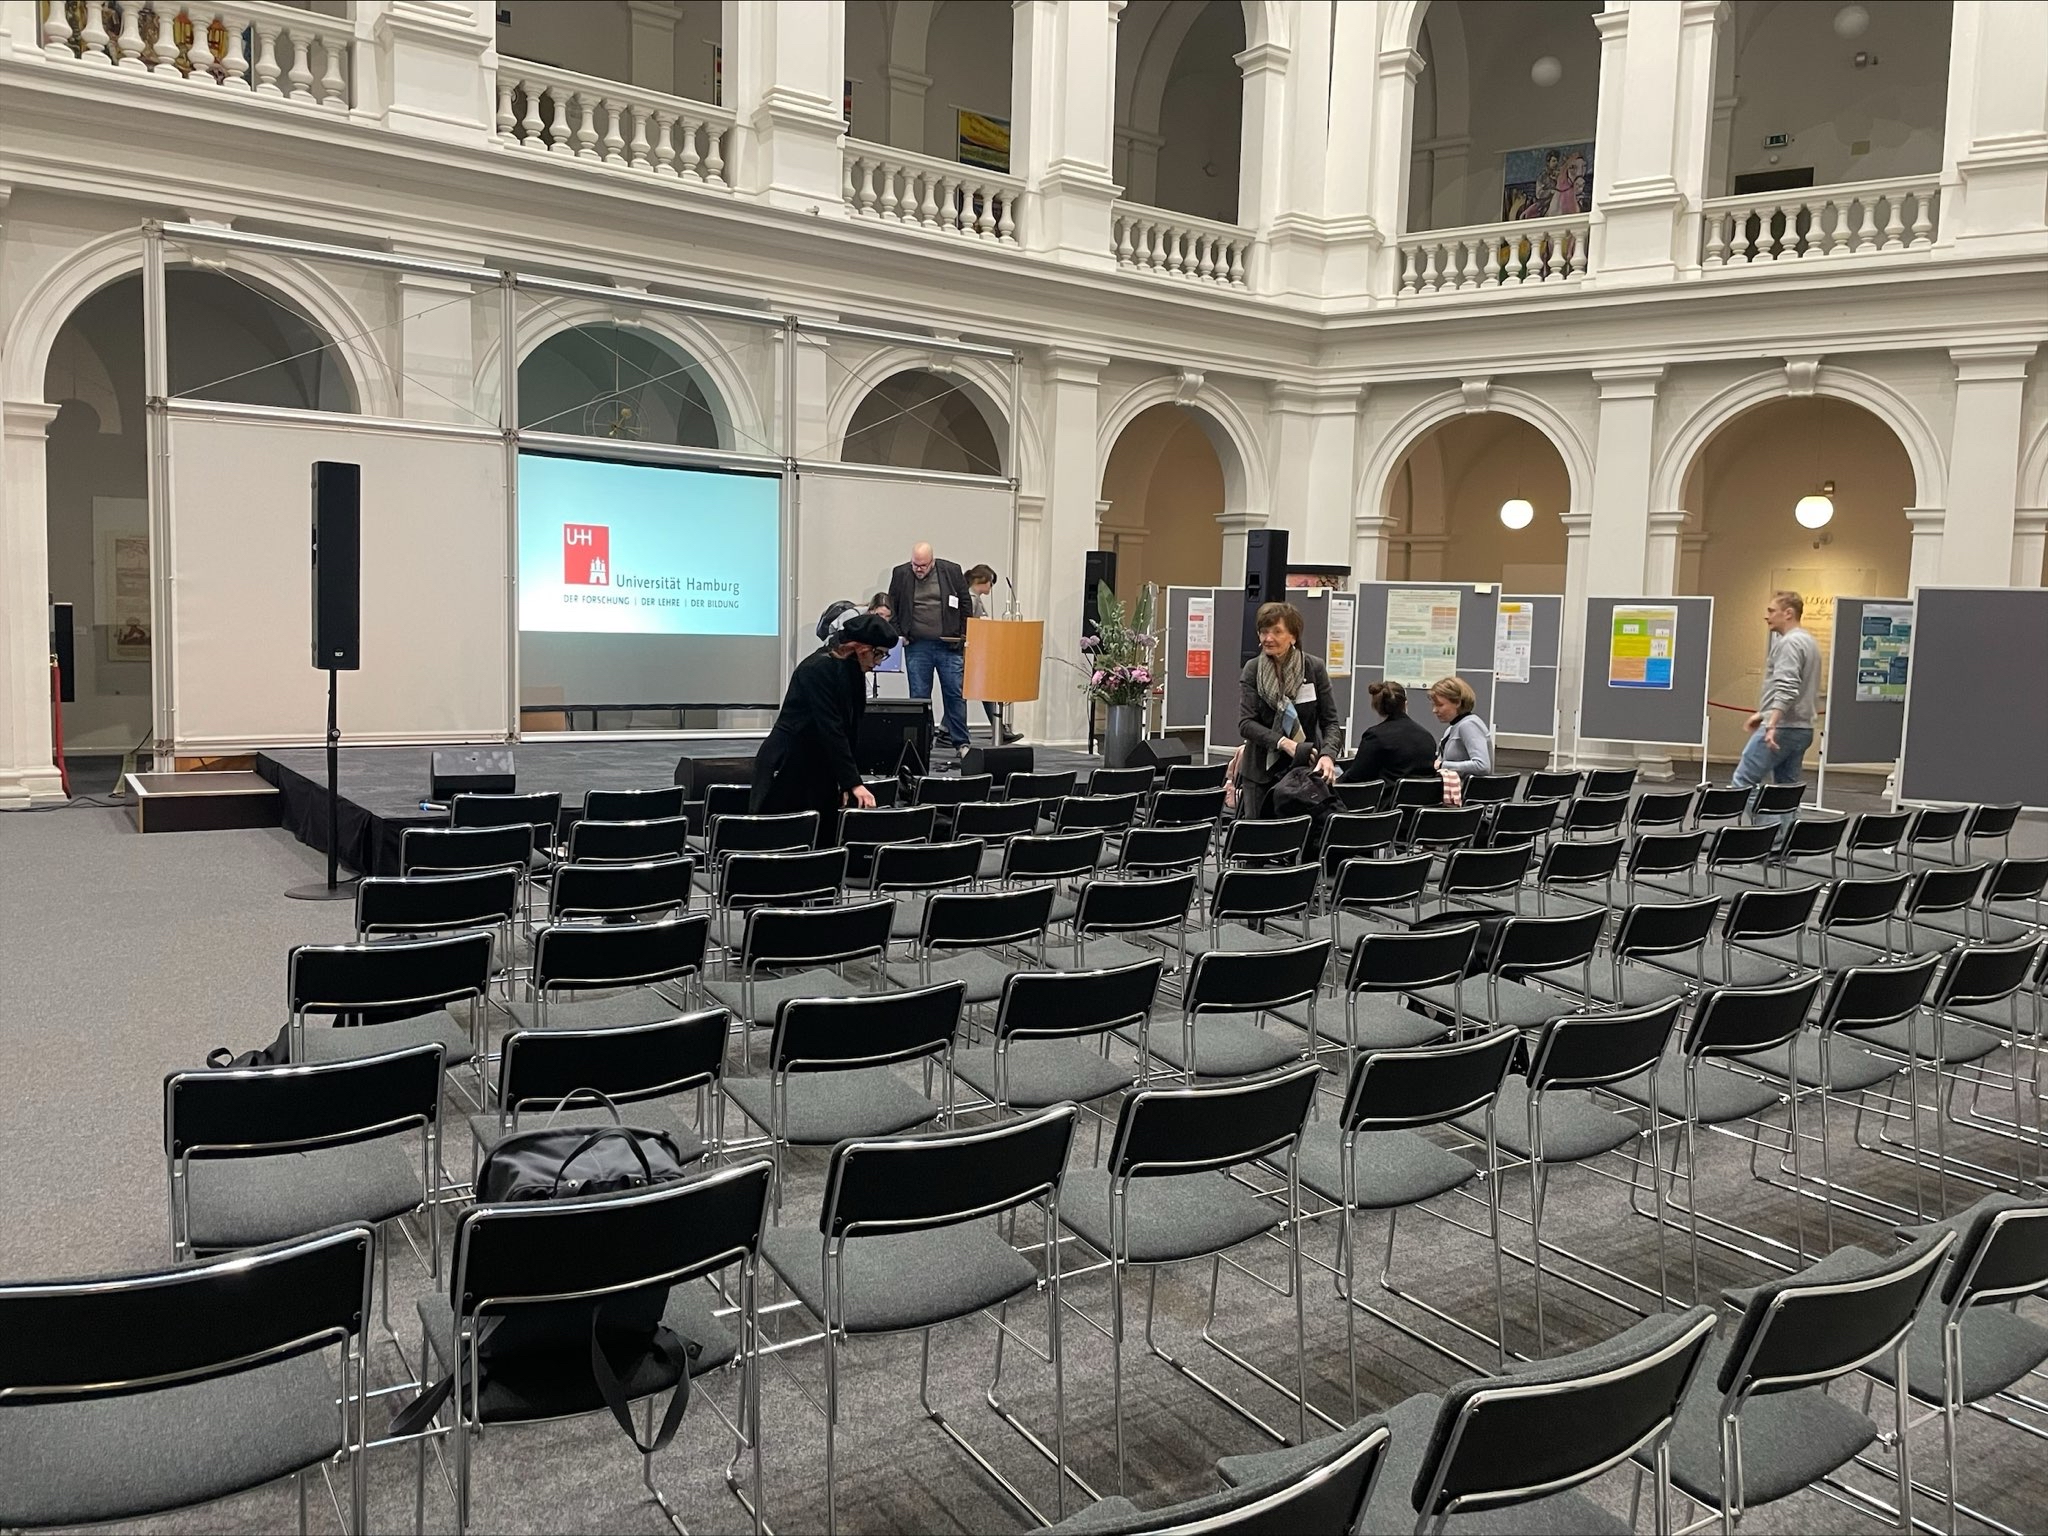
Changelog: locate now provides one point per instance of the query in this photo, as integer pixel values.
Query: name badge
(952, 602)
(1307, 694)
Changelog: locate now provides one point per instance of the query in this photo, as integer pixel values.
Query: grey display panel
(1224, 686)
(1478, 610)
(1530, 709)
(1186, 706)
(1974, 730)
(1651, 717)
(1856, 731)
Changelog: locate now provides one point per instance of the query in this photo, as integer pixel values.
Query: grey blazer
(1319, 723)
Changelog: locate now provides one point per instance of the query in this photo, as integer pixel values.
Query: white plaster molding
(1187, 388)
(1477, 394)
(1800, 375)
(1395, 442)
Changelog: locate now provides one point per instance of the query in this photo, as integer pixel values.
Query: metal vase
(1121, 735)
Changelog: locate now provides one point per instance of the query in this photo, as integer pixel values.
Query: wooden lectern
(1003, 657)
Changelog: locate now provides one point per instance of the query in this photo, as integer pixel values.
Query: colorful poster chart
(1514, 634)
(1343, 623)
(1422, 634)
(1201, 634)
(1883, 652)
(1639, 653)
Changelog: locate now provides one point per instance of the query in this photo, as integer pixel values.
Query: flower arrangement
(1117, 668)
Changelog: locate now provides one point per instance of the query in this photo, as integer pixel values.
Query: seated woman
(1467, 746)
(1395, 747)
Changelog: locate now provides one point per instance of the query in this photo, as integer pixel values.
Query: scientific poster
(1201, 635)
(1343, 622)
(1514, 634)
(1422, 634)
(1640, 650)
(1883, 652)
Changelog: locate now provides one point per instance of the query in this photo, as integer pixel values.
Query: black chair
(1365, 886)
(513, 1259)
(1164, 850)
(993, 823)
(1384, 967)
(1578, 866)
(1720, 805)
(1179, 807)
(1417, 792)
(628, 842)
(1869, 833)
(863, 829)
(1120, 781)
(1362, 796)
(650, 888)
(720, 801)
(1226, 998)
(1050, 1043)
(796, 877)
(1948, 891)
(656, 804)
(1734, 850)
(975, 938)
(950, 789)
(1599, 815)
(1993, 821)
(1110, 913)
(1524, 947)
(1552, 784)
(811, 948)
(908, 873)
(793, 832)
(1661, 935)
(1611, 781)
(1755, 915)
(1519, 821)
(1040, 786)
(540, 810)
(386, 996)
(456, 850)
(1857, 903)
(609, 975)
(141, 1394)
(1251, 904)
(1108, 814)
(1443, 827)
(2011, 884)
(1805, 843)
(1357, 835)
(1051, 857)
(1281, 841)
(1937, 826)
(1491, 788)
(1658, 857)
(1197, 775)
(1165, 1196)
(909, 1238)
(1661, 808)
(490, 900)
(1471, 875)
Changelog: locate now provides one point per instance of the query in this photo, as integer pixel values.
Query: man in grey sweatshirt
(1782, 727)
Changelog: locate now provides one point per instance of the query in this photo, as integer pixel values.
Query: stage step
(200, 802)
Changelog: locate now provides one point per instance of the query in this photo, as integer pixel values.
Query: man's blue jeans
(920, 659)
(1762, 763)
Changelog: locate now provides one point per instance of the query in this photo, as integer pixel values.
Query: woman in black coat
(1395, 747)
(807, 763)
(1286, 714)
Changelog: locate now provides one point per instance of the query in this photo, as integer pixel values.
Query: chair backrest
(719, 802)
(835, 1034)
(1979, 974)
(926, 866)
(1414, 1086)
(1665, 928)
(870, 826)
(1938, 824)
(450, 850)
(1058, 1003)
(952, 788)
(1503, 1441)
(995, 820)
(1266, 842)
(572, 957)
(1403, 962)
(2002, 1253)
(1567, 863)
(1178, 807)
(1879, 830)
(1530, 944)
(1370, 883)
(1328, 1494)
(1590, 1049)
(751, 879)
(1611, 781)
(1445, 826)
(1520, 820)
(388, 980)
(543, 1068)
(1052, 856)
(625, 842)
(791, 831)
(1733, 1021)
(1872, 996)
(1798, 1332)
(1944, 890)
(1156, 850)
(104, 1336)
(1993, 820)
(1361, 794)
(1253, 980)
(975, 919)
(1732, 846)
(1777, 799)
(1134, 906)
(1419, 791)
(1197, 775)
(1661, 808)
(657, 804)
(1811, 837)
(259, 1111)
(1104, 813)
(1663, 853)
(786, 936)
(1595, 813)
(438, 903)
(1768, 914)
(1120, 781)
(1484, 871)
(1551, 784)
(915, 1182)
(1351, 833)
(1250, 892)
(540, 810)
(1044, 785)
(1211, 1125)
(540, 1252)
(1849, 902)
(2016, 880)
(1720, 802)
(1491, 788)
(620, 890)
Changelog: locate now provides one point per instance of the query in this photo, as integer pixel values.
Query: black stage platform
(382, 787)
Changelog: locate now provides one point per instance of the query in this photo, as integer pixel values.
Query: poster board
(1478, 613)
(1862, 725)
(1529, 707)
(1185, 706)
(1973, 731)
(1651, 705)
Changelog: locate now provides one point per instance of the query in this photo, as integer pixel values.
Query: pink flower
(1091, 642)
(1141, 675)
(1099, 676)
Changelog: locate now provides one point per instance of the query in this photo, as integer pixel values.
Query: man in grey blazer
(1287, 713)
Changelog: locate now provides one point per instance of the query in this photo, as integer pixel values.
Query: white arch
(1264, 22)
(1401, 24)
(1222, 421)
(2033, 480)
(1438, 409)
(1923, 448)
(358, 351)
(910, 30)
(983, 380)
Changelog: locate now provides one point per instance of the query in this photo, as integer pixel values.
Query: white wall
(1201, 118)
(1164, 486)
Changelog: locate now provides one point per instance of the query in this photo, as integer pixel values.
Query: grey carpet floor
(125, 957)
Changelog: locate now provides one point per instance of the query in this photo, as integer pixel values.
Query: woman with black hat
(808, 763)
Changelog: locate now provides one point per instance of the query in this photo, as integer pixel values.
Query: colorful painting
(984, 141)
(1550, 181)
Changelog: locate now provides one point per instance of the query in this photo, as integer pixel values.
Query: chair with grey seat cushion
(1593, 815)
(1619, 783)
(1807, 841)
(1518, 821)
(1665, 858)
(138, 1394)
(801, 952)
(1111, 815)
(458, 850)
(1051, 1041)
(1718, 805)
(602, 975)
(1482, 877)
(1696, 1091)
(1360, 796)
(1120, 781)
(910, 1237)
(2009, 906)
(1852, 904)
(1165, 1195)
(385, 996)
(993, 823)
(1227, 999)
(908, 873)
(1936, 834)
(1260, 906)
(1425, 789)
(1197, 775)
(1384, 967)
(1440, 828)
(729, 835)
(1944, 891)
(1873, 841)
(1356, 835)
(1656, 947)
(977, 937)
(1040, 786)
(718, 802)
(1549, 1116)
(1364, 889)
(1491, 788)
(1758, 1424)
(628, 842)
(1180, 807)
(946, 790)
(1280, 841)
(864, 828)
(540, 810)
(617, 892)
(1525, 947)
(698, 1239)
(413, 906)
(656, 803)
(787, 877)
(1756, 913)
(1110, 914)
(1737, 853)
(1660, 808)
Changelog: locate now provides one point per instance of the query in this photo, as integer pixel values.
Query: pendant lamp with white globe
(1814, 511)
(1517, 513)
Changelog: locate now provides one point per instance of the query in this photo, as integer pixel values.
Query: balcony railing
(1178, 245)
(556, 112)
(1516, 254)
(1859, 219)
(920, 192)
(278, 51)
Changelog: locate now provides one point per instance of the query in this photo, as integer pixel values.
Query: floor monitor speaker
(1001, 762)
(1100, 571)
(1160, 753)
(471, 771)
(890, 729)
(697, 774)
(337, 566)
(1265, 581)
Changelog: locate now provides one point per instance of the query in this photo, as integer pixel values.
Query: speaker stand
(335, 889)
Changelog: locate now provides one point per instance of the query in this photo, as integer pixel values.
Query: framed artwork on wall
(1547, 181)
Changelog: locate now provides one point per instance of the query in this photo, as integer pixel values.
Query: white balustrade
(1515, 254)
(251, 48)
(921, 192)
(1859, 219)
(1176, 245)
(554, 112)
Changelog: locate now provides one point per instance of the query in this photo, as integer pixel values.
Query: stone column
(1571, 640)
(437, 379)
(785, 79)
(1314, 452)
(1262, 162)
(1656, 113)
(1372, 534)
(1984, 463)
(431, 66)
(1995, 144)
(27, 773)
(1141, 163)
(1661, 566)
(1425, 556)
(1063, 96)
(1069, 409)
(1623, 462)
(1394, 101)
(1928, 524)
(653, 50)
(907, 90)
(1031, 597)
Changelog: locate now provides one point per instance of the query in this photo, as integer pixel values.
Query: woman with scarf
(1287, 714)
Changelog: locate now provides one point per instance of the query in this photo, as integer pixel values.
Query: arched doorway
(917, 419)
(1742, 543)
(1180, 105)
(1446, 500)
(615, 381)
(1163, 495)
(229, 340)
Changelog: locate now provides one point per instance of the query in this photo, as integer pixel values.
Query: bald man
(929, 602)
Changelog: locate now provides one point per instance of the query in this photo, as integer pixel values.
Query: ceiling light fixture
(1516, 512)
(1547, 71)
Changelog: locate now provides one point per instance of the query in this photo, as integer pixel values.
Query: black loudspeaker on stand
(1265, 581)
(337, 635)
